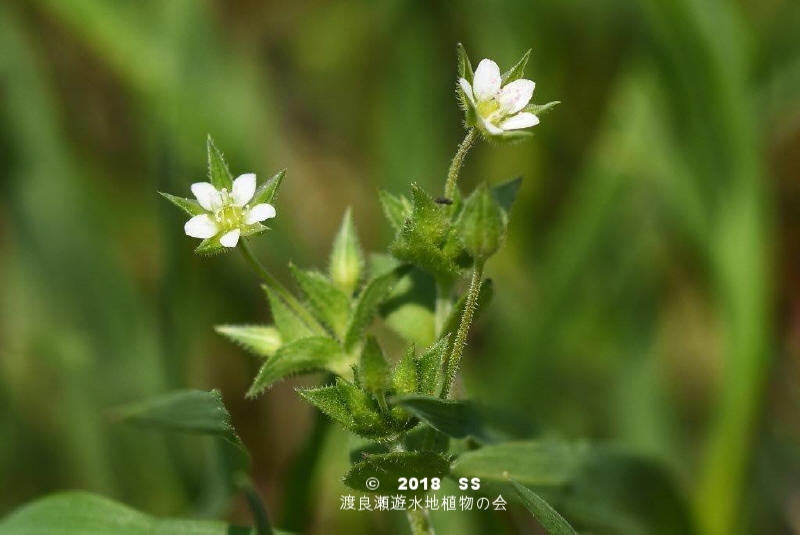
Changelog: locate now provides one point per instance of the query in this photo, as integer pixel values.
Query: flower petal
(520, 120)
(207, 195)
(200, 226)
(486, 83)
(467, 89)
(516, 95)
(244, 187)
(489, 126)
(230, 239)
(259, 212)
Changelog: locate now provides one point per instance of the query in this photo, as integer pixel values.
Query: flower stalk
(458, 162)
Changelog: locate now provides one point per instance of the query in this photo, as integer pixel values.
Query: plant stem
(453, 358)
(276, 285)
(420, 522)
(458, 161)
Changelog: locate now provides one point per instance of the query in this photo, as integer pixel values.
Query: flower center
(229, 216)
(487, 108)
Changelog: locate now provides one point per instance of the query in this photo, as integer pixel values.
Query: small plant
(400, 406)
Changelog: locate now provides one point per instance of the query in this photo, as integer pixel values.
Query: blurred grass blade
(542, 511)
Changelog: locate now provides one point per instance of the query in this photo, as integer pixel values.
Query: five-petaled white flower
(229, 214)
(498, 109)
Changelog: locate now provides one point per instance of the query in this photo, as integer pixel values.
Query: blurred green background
(648, 295)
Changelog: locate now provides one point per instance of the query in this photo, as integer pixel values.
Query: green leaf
(268, 191)
(540, 109)
(218, 173)
(261, 340)
(404, 375)
(373, 371)
(190, 206)
(458, 419)
(189, 411)
(464, 65)
(481, 224)
(328, 303)
(396, 208)
(330, 401)
(82, 513)
(506, 193)
(367, 303)
(305, 355)
(389, 467)
(538, 463)
(429, 366)
(408, 310)
(347, 260)
(290, 325)
(517, 71)
(543, 512)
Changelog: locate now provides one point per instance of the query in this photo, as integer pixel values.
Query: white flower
(498, 109)
(228, 213)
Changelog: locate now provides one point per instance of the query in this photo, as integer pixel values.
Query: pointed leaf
(543, 512)
(389, 467)
(347, 259)
(290, 325)
(329, 304)
(458, 419)
(189, 411)
(373, 371)
(329, 400)
(260, 340)
(367, 303)
(538, 463)
(517, 71)
(316, 353)
(82, 513)
(396, 208)
(218, 173)
(268, 191)
(190, 206)
(408, 310)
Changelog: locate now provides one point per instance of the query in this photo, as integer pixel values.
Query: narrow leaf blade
(261, 340)
(543, 512)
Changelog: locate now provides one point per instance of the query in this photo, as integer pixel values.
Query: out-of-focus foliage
(646, 294)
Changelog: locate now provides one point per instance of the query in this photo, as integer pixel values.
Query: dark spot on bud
(444, 200)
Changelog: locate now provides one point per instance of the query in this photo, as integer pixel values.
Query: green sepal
(481, 224)
(464, 64)
(316, 353)
(505, 193)
(211, 246)
(429, 366)
(190, 206)
(261, 340)
(404, 374)
(373, 371)
(218, 173)
(347, 260)
(268, 191)
(290, 325)
(518, 70)
(540, 109)
(328, 303)
(389, 467)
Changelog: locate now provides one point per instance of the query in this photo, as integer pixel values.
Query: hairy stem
(420, 522)
(275, 285)
(453, 357)
(458, 161)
